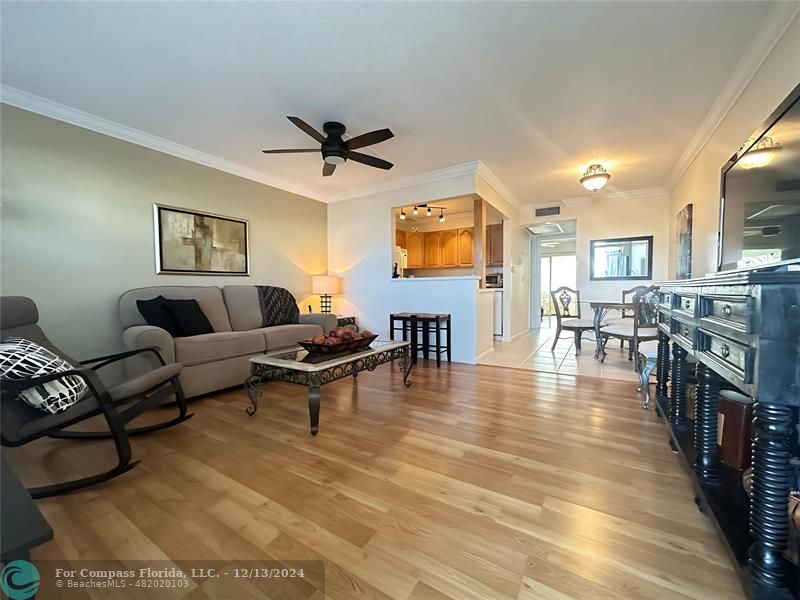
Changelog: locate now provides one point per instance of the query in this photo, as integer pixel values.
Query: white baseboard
(482, 354)
(520, 334)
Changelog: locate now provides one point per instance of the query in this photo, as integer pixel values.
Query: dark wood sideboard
(743, 329)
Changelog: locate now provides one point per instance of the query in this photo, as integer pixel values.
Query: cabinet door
(415, 244)
(465, 247)
(449, 248)
(400, 238)
(433, 249)
(494, 253)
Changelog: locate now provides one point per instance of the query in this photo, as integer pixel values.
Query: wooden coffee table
(295, 367)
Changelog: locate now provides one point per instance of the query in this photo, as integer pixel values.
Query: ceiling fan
(335, 150)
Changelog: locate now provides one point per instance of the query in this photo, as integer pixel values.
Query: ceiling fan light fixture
(760, 155)
(334, 159)
(595, 178)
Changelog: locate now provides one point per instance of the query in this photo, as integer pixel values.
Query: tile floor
(532, 351)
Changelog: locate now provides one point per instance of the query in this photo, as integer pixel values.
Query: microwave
(494, 280)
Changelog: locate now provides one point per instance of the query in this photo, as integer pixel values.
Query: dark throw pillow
(155, 312)
(189, 318)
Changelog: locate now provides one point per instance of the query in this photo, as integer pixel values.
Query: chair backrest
(566, 302)
(645, 310)
(19, 317)
(637, 289)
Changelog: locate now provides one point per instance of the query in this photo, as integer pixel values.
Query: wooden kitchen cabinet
(415, 245)
(400, 238)
(494, 245)
(465, 247)
(449, 240)
(433, 249)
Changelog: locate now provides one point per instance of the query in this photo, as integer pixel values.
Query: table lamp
(325, 286)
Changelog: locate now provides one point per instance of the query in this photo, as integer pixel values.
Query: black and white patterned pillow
(23, 359)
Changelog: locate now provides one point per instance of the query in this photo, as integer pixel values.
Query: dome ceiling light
(595, 178)
(760, 155)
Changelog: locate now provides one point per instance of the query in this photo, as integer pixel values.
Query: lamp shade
(324, 284)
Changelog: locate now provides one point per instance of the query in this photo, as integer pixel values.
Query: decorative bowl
(340, 349)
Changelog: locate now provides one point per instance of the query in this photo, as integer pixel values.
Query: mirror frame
(640, 238)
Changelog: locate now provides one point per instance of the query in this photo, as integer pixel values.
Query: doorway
(554, 264)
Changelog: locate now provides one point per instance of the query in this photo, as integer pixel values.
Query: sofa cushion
(243, 308)
(286, 336)
(189, 318)
(210, 347)
(208, 297)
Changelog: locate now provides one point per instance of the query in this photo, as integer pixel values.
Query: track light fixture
(429, 208)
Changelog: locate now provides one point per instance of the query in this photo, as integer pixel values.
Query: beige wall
(77, 225)
(779, 74)
(635, 215)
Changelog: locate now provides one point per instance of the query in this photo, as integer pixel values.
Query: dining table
(601, 310)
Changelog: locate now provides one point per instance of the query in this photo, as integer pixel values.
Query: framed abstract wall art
(683, 263)
(197, 243)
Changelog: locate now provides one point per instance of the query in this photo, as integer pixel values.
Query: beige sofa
(216, 360)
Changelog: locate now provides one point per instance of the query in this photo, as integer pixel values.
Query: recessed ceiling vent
(549, 211)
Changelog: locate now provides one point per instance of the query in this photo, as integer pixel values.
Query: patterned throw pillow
(22, 359)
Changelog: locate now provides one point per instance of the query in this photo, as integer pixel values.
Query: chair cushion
(619, 330)
(157, 314)
(22, 359)
(188, 317)
(145, 382)
(22, 423)
(574, 323)
(211, 347)
(287, 336)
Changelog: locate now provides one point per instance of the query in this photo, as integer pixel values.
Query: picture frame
(683, 246)
(192, 242)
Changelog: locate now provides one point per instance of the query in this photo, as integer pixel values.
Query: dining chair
(640, 326)
(567, 304)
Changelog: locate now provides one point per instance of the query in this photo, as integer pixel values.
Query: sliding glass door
(556, 271)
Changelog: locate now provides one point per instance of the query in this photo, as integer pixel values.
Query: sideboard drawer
(685, 303)
(685, 333)
(735, 311)
(734, 356)
(666, 299)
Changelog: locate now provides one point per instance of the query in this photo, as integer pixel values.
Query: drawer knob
(687, 304)
(725, 351)
(726, 310)
(686, 332)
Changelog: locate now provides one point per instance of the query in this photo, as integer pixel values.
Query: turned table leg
(677, 401)
(769, 519)
(705, 425)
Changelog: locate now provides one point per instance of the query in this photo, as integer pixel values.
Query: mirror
(621, 258)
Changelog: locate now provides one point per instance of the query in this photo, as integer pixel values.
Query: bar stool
(410, 326)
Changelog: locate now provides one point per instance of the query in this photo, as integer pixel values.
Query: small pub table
(296, 366)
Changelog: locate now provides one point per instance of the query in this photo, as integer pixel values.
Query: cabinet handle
(725, 351)
(726, 310)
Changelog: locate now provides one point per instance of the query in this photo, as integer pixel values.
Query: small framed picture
(197, 243)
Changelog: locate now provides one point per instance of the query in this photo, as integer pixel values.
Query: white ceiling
(534, 90)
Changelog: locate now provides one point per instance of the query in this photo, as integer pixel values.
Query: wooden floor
(475, 483)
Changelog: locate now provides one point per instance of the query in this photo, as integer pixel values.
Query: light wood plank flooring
(475, 483)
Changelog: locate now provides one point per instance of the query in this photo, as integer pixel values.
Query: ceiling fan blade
(372, 161)
(328, 169)
(367, 139)
(307, 128)
(289, 151)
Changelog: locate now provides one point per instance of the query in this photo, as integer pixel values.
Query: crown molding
(489, 177)
(768, 35)
(650, 192)
(54, 110)
(469, 168)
